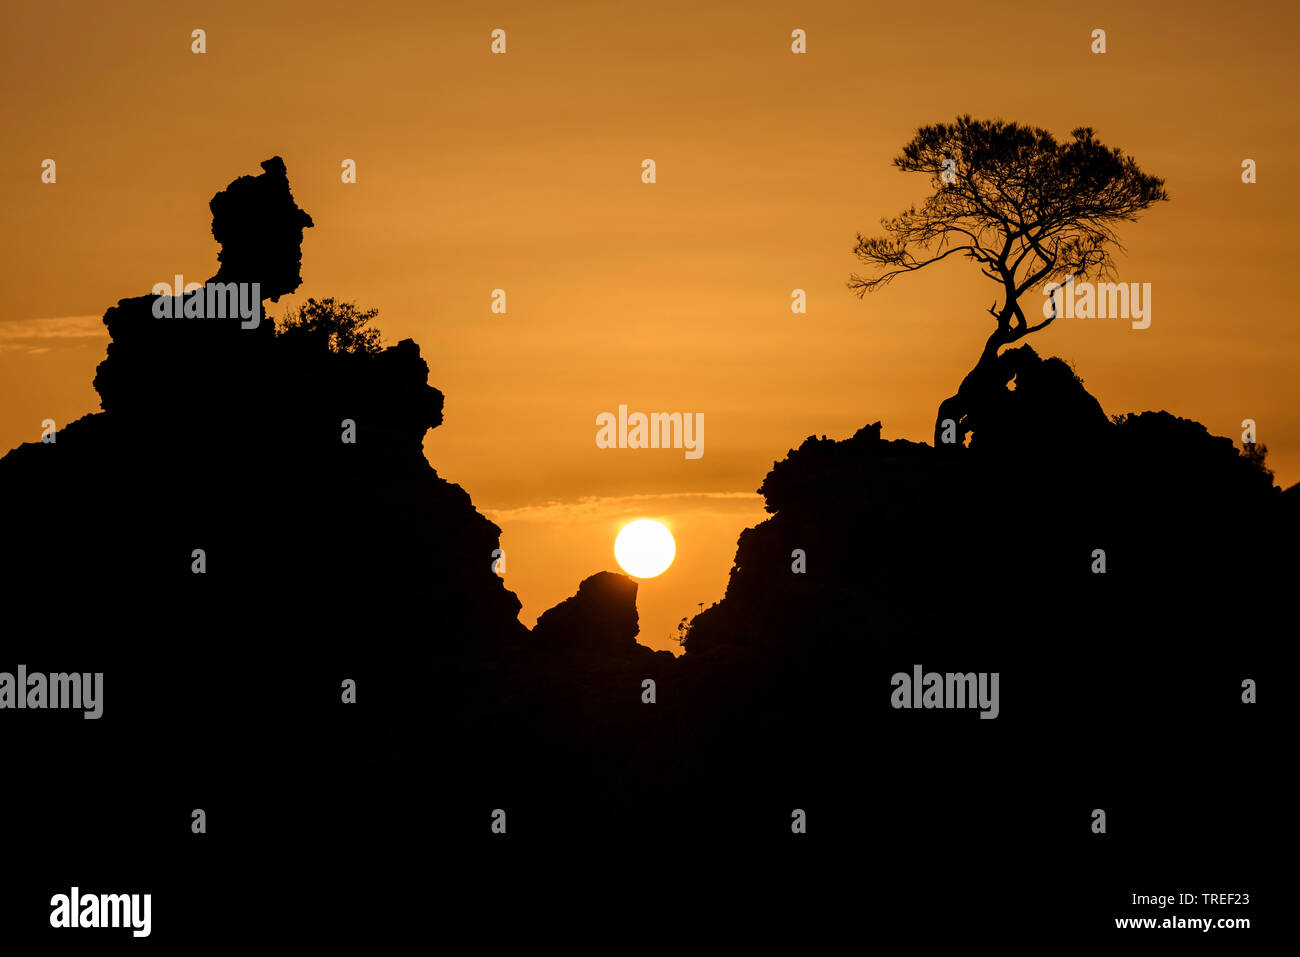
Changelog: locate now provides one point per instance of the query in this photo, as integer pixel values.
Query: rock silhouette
(323, 560)
(326, 560)
(225, 438)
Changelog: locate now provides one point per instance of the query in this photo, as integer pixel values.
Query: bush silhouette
(337, 326)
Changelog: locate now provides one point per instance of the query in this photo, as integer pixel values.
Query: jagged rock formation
(986, 561)
(156, 365)
(219, 436)
(328, 561)
(324, 561)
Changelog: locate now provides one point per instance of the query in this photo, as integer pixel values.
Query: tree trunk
(961, 409)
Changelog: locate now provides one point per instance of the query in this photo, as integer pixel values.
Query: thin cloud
(595, 508)
(56, 327)
(34, 336)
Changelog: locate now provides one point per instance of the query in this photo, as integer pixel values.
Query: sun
(645, 548)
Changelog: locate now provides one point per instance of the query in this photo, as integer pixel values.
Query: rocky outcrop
(211, 529)
(218, 436)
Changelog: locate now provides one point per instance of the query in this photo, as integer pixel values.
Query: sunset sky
(523, 172)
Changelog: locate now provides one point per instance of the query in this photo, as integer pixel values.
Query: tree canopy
(1026, 208)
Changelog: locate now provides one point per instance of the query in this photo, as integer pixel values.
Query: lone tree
(1026, 208)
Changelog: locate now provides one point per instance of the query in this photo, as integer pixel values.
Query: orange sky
(522, 172)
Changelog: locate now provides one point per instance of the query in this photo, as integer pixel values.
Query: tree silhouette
(337, 326)
(1026, 208)
(1255, 455)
